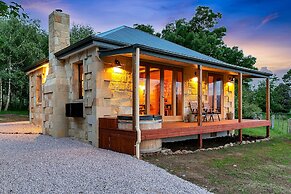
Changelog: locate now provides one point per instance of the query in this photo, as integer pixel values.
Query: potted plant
(229, 115)
(191, 117)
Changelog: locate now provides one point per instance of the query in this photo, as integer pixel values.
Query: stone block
(47, 124)
(91, 119)
(48, 110)
(107, 93)
(88, 110)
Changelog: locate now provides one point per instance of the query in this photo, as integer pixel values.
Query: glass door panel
(214, 92)
(211, 91)
(218, 93)
(142, 90)
(179, 95)
(168, 92)
(155, 79)
(160, 92)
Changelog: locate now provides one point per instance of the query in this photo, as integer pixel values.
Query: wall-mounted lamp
(231, 78)
(195, 78)
(117, 63)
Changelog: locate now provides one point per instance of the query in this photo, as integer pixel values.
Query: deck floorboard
(179, 129)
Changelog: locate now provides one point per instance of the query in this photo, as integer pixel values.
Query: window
(80, 81)
(215, 92)
(142, 90)
(155, 79)
(39, 89)
(160, 91)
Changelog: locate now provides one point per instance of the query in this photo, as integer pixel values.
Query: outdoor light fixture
(117, 63)
(231, 78)
(195, 78)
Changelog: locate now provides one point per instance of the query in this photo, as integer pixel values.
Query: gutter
(35, 66)
(189, 59)
(136, 102)
(84, 43)
(222, 64)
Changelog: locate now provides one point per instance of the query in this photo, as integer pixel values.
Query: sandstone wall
(191, 91)
(191, 87)
(84, 128)
(35, 107)
(117, 87)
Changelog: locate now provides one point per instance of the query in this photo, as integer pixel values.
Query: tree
(21, 45)
(287, 78)
(79, 32)
(278, 94)
(147, 28)
(201, 34)
(12, 10)
(282, 98)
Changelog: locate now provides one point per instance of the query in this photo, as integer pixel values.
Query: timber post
(200, 139)
(268, 105)
(240, 104)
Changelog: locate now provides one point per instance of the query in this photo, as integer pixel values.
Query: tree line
(23, 43)
(202, 33)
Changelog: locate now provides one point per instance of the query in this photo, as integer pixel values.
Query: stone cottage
(129, 91)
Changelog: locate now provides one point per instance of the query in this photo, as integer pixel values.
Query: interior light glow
(117, 70)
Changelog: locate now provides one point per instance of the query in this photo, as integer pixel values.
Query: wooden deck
(112, 138)
(180, 129)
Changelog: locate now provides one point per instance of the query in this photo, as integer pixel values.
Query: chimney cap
(59, 10)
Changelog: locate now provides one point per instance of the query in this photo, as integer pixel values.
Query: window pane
(81, 81)
(218, 90)
(168, 92)
(210, 92)
(142, 90)
(39, 89)
(154, 91)
(179, 93)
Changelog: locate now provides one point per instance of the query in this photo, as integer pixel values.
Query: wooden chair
(206, 111)
(217, 112)
(211, 112)
(194, 108)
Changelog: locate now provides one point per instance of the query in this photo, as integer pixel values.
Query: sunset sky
(261, 28)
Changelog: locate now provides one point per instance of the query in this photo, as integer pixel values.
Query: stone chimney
(55, 91)
(59, 31)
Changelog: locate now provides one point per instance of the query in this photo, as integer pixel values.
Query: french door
(215, 91)
(161, 92)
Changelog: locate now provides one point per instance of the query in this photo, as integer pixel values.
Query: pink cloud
(267, 19)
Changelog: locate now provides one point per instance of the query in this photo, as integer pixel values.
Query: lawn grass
(263, 167)
(13, 116)
(14, 112)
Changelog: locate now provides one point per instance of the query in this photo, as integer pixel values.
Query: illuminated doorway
(161, 92)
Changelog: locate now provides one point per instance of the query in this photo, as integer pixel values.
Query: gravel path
(43, 164)
(21, 127)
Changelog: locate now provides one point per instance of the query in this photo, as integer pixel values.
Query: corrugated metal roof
(132, 36)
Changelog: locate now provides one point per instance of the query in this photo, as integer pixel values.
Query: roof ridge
(173, 43)
(110, 31)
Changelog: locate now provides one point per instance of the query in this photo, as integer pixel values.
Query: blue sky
(261, 28)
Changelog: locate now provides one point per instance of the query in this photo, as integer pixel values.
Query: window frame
(80, 81)
(162, 68)
(38, 89)
(214, 97)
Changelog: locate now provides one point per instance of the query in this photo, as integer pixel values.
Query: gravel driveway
(21, 127)
(31, 163)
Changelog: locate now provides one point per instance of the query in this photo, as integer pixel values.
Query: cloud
(44, 7)
(267, 19)
(265, 69)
